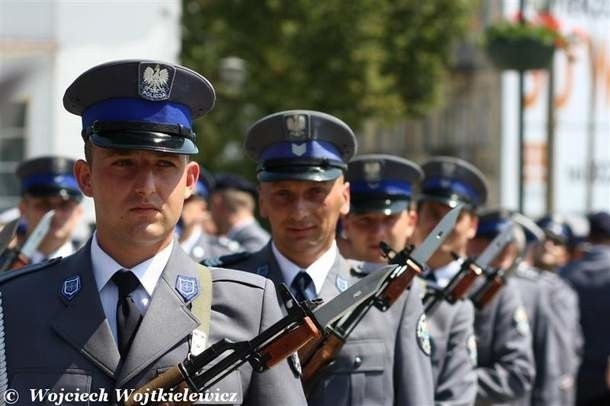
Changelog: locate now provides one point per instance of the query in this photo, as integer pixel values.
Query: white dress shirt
(317, 271)
(444, 274)
(147, 272)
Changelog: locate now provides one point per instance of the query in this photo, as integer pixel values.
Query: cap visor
(149, 141)
(315, 174)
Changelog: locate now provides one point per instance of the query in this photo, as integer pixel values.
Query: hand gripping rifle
(318, 354)
(304, 322)
(459, 286)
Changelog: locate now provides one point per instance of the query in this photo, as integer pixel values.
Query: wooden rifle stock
(469, 274)
(488, 290)
(317, 355)
(165, 381)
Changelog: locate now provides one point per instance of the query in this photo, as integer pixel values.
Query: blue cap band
(387, 187)
(141, 110)
(307, 149)
(491, 228)
(65, 181)
(439, 184)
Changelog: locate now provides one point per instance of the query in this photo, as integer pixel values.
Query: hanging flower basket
(523, 45)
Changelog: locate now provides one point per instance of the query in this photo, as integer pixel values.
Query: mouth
(144, 208)
(301, 229)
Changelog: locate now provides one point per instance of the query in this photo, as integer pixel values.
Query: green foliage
(355, 59)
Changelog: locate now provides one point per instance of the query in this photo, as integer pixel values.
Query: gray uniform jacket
(209, 246)
(535, 296)
(565, 314)
(252, 237)
(55, 341)
(382, 362)
(590, 278)
(504, 342)
(454, 353)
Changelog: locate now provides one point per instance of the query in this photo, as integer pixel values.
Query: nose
(145, 182)
(300, 208)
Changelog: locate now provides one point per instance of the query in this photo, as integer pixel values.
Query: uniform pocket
(50, 387)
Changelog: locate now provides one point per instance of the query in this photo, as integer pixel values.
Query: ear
(82, 173)
(474, 224)
(346, 198)
(192, 175)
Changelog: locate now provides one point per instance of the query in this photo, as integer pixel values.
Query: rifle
(318, 354)
(470, 270)
(18, 258)
(303, 322)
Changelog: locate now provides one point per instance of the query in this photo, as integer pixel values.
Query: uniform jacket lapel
(167, 319)
(82, 323)
(338, 274)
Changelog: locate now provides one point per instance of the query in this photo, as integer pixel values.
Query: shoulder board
(8, 275)
(226, 260)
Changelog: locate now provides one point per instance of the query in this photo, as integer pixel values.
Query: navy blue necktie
(128, 317)
(301, 285)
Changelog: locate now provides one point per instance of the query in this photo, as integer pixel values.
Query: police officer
(590, 278)
(125, 306)
(233, 206)
(302, 157)
(194, 239)
(381, 205)
(504, 360)
(535, 296)
(448, 182)
(47, 183)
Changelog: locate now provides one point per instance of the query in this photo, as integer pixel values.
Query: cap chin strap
(99, 127)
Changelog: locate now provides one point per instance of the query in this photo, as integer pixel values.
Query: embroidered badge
(448, 168)
(296, 125)
(155, 81)
(471, 346)
(521, 322)
(423, 335)
(70, 287)
(298, 150)
(342, 283)
(372, 173)
(187, 287)
(263, 270)
(295, 364)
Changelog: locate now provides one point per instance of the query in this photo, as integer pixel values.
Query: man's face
(366, 230)
(138, 195)
(550, 254)
(67, 214)
(195, 211)
(430, 213)
(303, 215)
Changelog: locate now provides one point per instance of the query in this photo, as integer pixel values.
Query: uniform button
(357, 361)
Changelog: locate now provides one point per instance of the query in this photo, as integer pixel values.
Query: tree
(356, 59)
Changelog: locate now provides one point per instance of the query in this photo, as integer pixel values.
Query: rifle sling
(202, 307)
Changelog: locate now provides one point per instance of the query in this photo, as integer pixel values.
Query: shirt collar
(318, 270)
(147, 272)
(444, 274)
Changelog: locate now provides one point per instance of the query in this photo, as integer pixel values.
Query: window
(12, 149)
